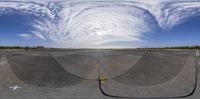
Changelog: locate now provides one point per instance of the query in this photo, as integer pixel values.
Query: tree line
(180, 47)
(17, 47)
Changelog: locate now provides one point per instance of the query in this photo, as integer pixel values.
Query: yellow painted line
(103, 78)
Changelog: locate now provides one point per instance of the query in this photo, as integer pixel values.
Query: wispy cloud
(89, 23)
(26, 36)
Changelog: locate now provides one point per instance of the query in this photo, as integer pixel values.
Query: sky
(100, 24)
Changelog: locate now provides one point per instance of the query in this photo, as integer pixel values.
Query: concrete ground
(99, 74)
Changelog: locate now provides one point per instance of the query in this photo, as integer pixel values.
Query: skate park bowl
(161, 73)
(158, 73)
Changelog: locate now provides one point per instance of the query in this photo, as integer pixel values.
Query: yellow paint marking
(103, 78)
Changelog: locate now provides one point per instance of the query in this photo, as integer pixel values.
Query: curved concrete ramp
(84, 66)
(114, 65)
(7, 77)
(41, 70)
(85, 63)
(11, 87)
(159, 73)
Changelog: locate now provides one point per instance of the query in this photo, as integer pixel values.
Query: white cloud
(89, 23)
(176, 13)
(26, 8)
(26, 36)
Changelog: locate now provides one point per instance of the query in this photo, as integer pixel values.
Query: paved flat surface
(136, 73)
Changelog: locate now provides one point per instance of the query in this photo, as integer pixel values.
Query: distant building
(40, 47)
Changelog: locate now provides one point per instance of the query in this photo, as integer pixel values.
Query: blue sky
(90, 24)
(187, 33)
(12, 25)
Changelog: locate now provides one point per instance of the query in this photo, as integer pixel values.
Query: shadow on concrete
(41, 70)
(153, 68)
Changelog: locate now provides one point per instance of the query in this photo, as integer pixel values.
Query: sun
(109, 24)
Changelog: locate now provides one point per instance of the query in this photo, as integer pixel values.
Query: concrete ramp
(164, 73)
(39, 80)
(97, 74)
(84, 66)
(85, 63)
(7, 77)
(41, 70)
(114, 65)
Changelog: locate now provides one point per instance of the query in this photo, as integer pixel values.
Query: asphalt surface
(99, 74)
(156, 74)
(154, 67)
(41, 70)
